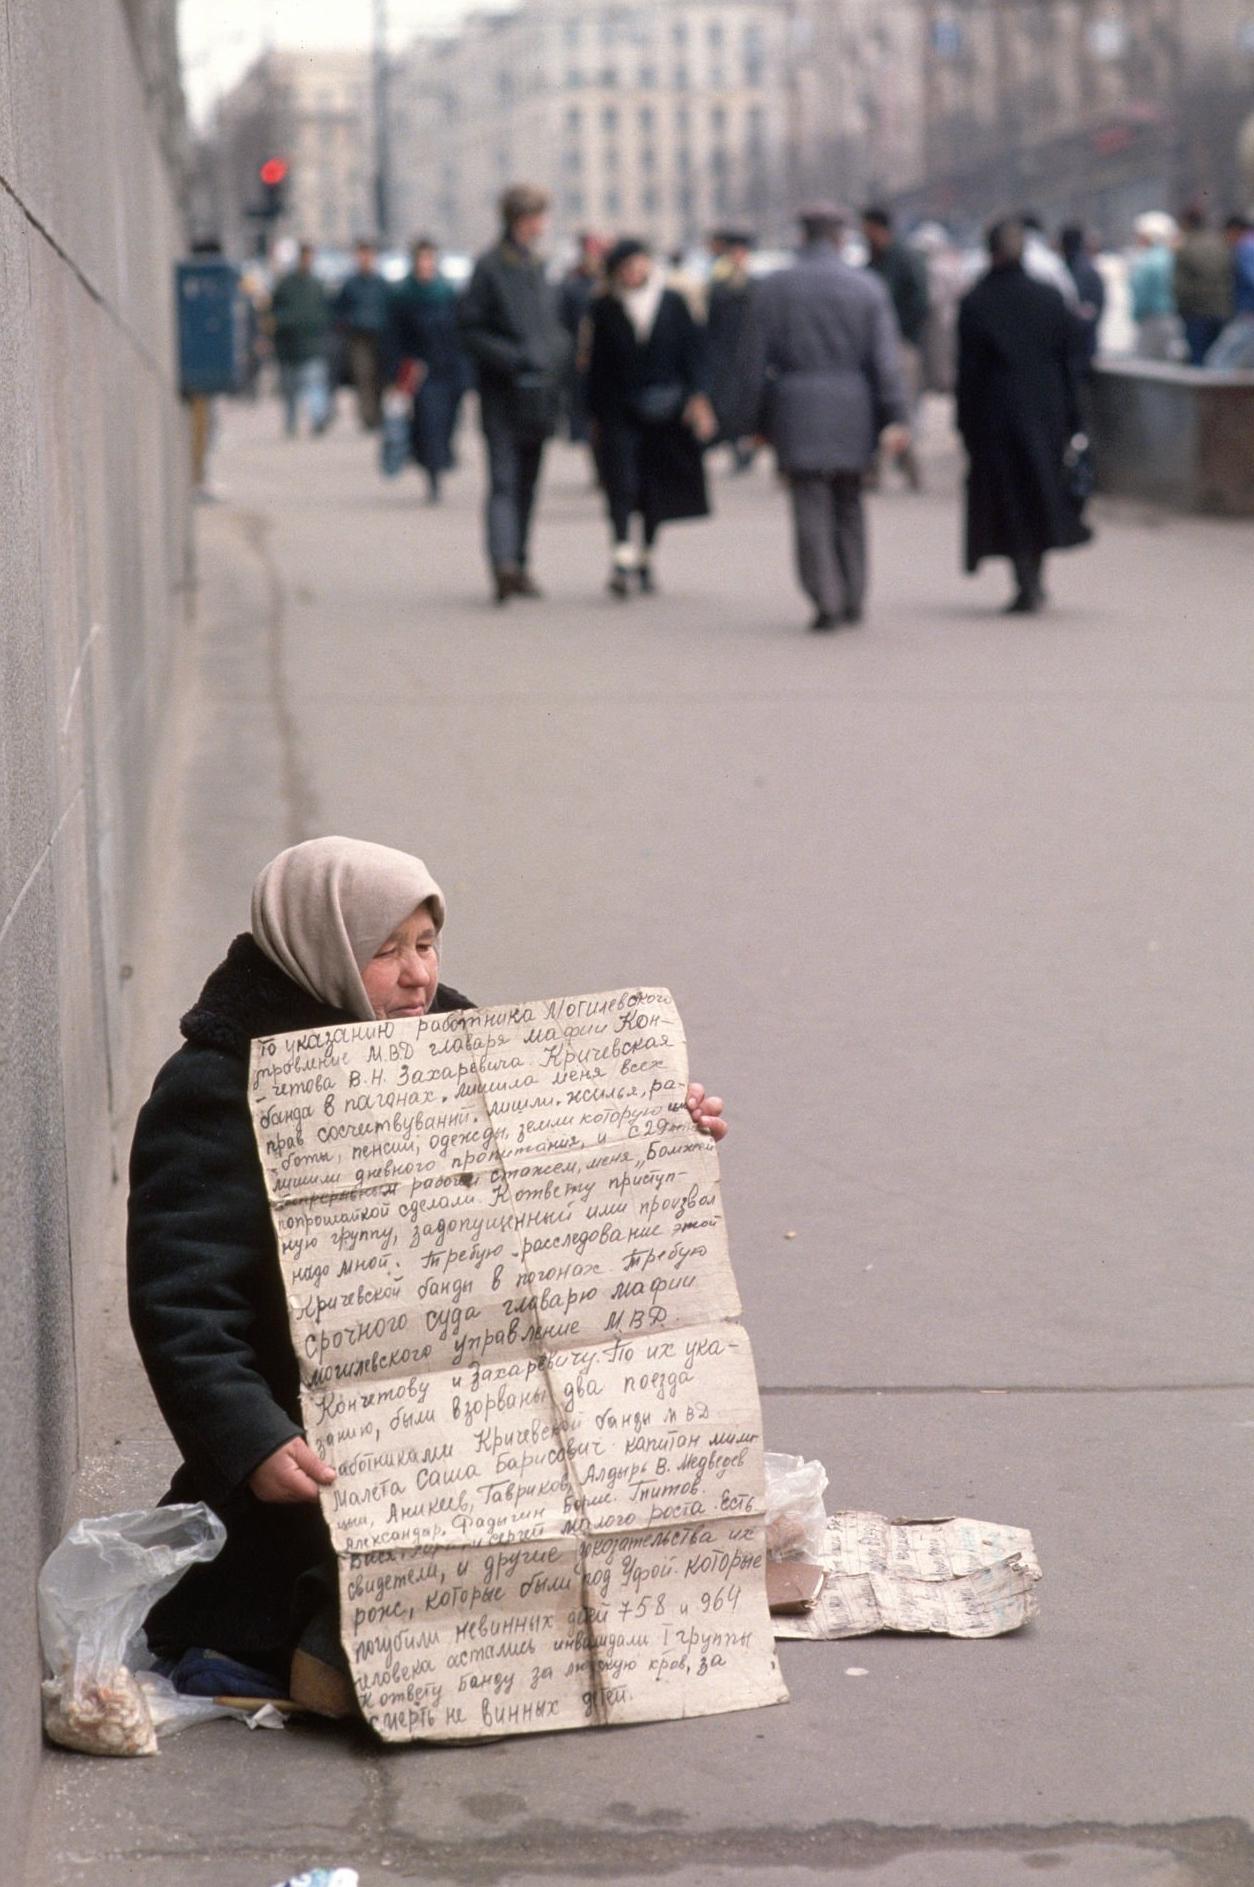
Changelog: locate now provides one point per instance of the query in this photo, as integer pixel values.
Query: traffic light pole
(382, 141)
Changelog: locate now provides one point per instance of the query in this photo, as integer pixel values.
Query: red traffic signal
(273, 171)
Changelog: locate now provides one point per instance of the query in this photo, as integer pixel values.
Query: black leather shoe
(825, 619)
(526, 585)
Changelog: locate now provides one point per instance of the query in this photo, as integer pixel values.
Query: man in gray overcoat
(821, 380)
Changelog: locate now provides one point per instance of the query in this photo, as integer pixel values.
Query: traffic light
(273, 175)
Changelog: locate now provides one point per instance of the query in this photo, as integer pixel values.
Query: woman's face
(634, 272)
(401, 976)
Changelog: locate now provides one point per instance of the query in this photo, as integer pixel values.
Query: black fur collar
(248, 995)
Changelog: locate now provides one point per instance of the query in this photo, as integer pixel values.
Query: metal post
(382, 146)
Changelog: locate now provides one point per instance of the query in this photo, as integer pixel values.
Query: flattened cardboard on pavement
(505, 1260)
(965, 1578)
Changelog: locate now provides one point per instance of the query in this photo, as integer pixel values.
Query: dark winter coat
(424, 328)
(1018, 406)
(648, 463)
(726, 308)
(820, 369)
(511, 328)
(904, 274)
(361, 306)
(300, 316)
(208, 1311)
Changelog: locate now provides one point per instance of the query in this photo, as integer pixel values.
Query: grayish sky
(220, 37)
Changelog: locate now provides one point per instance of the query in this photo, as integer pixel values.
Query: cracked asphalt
(956, 910)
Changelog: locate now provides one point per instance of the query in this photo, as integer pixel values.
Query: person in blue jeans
(512, 331)
(300, 319)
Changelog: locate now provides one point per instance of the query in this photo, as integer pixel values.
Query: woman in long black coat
(649, 404)
(426, 344)
(1018, 410)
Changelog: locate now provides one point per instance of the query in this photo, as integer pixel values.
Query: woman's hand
(700, 418)
(706, 1110)
(292, 1473)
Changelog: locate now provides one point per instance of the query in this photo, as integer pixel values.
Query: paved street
(956, 909)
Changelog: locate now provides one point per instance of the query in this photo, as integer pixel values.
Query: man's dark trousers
(513, 474)
(830, 539)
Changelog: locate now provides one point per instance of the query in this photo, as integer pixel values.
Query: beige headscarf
(321, 910)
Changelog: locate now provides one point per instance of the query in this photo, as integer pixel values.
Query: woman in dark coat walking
(1018, 410)
(429, 356)
(648, 400)
(342, 932)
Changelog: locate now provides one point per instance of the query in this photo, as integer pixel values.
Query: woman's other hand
(699, 417)
(706, 1110)
(292, 1473)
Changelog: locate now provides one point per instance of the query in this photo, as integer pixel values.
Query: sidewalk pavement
(956, 909)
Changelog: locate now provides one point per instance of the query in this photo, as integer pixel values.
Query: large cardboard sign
(503, 1248)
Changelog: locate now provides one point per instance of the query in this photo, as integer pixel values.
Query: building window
(572, 160)
(570, 32)
(505, 86)
(714, 35)
(718, 119)
(681, 78)
(574, 78)
(683, 160)
(682, 116)
(613, 203)
(574, 120)
(648, 157)
(647, 79)
(649, 200)
(572, 202)
(718, 161)
(609, 158)
(609, 76)
(647, 117)
(679, 33)
(754, 48)
(609, 118)
(755, 127)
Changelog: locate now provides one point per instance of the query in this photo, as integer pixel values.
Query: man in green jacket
(512, 331)
(300, 321)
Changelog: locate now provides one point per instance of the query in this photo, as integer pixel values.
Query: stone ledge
(1179, 436)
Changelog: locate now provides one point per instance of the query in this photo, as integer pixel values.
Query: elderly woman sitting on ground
(342, 931)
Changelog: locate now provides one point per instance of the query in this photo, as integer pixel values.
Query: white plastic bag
(95, 1590)
(796, 1520)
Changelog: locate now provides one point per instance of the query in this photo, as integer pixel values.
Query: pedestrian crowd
(826, 363)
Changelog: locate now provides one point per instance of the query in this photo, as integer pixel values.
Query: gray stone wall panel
(93, 550)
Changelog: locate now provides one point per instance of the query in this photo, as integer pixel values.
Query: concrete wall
(92, 567)
(1175, 435)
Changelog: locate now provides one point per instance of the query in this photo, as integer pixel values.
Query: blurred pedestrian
(430, 361)
(300, 323)
(686, 282)
(1234, 350)
(649, 406)
(947, 282)
(820, 376)
(1044, 264)
(574, 298)
(511, 328)
(1091, 290)
(1203, 283)
(904, 274)
(727, 303)
(1018, 412)
(1151, 279)
(363, 314)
